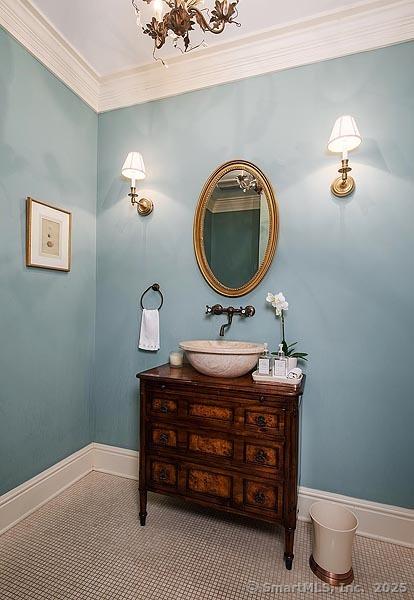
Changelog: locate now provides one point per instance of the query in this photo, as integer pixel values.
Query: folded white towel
(295, 374)
(149, 338)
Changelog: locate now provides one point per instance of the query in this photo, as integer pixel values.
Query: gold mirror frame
(198, 228)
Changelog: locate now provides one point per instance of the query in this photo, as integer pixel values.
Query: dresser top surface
(186, 375)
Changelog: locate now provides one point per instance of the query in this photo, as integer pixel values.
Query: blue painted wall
(48, 149)
(344, 265)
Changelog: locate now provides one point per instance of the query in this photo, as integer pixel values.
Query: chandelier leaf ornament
(181, 17)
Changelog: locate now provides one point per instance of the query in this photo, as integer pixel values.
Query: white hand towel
(149, 338)
(295, 374)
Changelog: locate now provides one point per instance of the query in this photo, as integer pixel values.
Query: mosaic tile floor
(87, 544)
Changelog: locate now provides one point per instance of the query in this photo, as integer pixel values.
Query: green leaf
(301, 355)
(291, 345)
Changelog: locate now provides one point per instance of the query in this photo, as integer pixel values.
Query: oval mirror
(236, 228)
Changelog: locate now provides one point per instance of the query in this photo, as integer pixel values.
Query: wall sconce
(344, 137)
(134, 169)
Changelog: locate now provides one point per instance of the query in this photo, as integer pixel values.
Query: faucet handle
(209, 310)
(249, 311)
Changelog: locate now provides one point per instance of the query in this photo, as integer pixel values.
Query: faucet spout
(228, 324)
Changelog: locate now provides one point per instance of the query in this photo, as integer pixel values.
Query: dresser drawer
(162, 436)
(268, 457)
(209, 484)
(264, 419)
(163, 405)
(162, 473)
(262, 496)
(225, 449)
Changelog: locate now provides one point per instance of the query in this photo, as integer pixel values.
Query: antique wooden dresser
(231, 444)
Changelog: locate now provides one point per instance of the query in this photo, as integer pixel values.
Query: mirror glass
(237, 228)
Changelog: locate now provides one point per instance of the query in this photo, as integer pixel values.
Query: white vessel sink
(222, 359)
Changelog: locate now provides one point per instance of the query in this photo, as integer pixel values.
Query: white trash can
(334, 530)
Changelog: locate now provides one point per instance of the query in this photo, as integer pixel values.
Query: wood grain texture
(206, 482)
(196, 409)
(228, 443)
(210, 445)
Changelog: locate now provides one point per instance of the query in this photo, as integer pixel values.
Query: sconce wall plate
(144, 205)
(343, 188)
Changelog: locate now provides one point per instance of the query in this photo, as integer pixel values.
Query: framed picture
(48, 236)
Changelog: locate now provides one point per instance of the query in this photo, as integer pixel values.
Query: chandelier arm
(206, 26)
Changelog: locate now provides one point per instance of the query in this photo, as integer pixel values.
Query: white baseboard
(32, 494)
(391, 524)
(115, 461)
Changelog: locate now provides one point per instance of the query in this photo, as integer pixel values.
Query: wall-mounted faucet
(217, 309)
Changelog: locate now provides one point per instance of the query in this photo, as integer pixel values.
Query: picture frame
(48, 236)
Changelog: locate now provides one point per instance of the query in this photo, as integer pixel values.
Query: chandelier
(175, 19)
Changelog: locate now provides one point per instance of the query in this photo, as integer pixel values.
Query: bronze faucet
(217, 309)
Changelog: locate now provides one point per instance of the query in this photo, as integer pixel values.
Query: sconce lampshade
(345, 135)
(134, 167)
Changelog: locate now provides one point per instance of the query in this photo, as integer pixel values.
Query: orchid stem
(282, 321)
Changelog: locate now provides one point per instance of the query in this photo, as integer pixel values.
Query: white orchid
(278, 301)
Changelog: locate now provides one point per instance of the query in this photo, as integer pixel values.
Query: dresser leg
(289, 539)
(142, 507)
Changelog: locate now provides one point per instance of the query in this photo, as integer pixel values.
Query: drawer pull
(164, 438)
(163, 387)
(260, 457)
(262, 399)
(261, 421)
(259, 498)
(164, 409)
(163, 475)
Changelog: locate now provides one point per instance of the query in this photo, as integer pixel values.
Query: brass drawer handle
(163, 475)
(259, 497)
(164, 438)
(261, 421)
(260, 457)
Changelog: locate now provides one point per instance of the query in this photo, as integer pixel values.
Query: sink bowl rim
(225, 348)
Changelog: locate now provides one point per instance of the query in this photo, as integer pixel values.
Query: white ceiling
(105, 34)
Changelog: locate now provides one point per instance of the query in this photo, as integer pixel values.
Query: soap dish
(279, 380)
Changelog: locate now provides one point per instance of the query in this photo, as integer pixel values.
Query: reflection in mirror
(236, 228)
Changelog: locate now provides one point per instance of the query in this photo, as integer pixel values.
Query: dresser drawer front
(209, 483)
(259, 496)
(162, 473)
(211, 445)
(265, 420)
(163, 405)
(202, 409)
(261, 455)
(163, 437)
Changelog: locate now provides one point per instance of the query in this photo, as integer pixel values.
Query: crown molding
(29, 27)
(360, 27)
(367, 25)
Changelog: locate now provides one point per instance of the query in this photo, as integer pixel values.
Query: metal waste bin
(334, 530)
